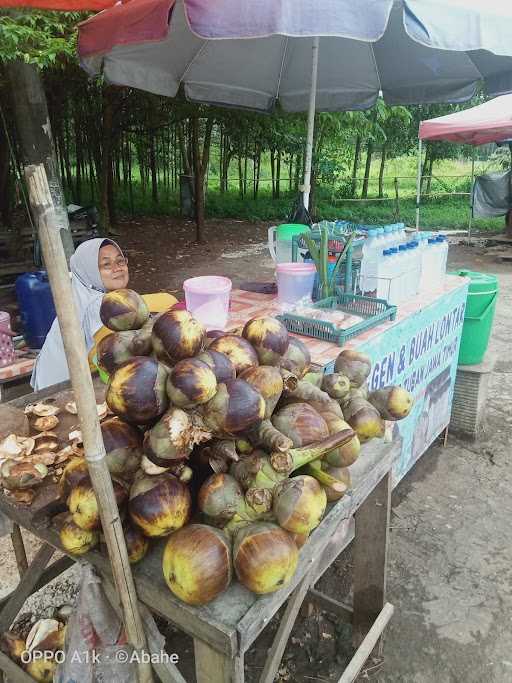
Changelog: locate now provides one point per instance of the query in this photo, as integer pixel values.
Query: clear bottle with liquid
(369, 255)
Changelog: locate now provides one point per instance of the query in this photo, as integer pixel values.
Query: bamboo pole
(81, 382)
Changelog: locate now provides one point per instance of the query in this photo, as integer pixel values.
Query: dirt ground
(451, 541)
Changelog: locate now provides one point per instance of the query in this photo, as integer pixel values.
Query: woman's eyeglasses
(120, 262)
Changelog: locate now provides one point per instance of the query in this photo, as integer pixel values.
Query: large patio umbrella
(487, 122)
(324, 55)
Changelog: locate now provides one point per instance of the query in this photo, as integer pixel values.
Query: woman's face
(113, 268)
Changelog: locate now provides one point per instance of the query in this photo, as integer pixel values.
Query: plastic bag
(96, 650)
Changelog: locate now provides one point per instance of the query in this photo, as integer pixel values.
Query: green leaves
(37, 37)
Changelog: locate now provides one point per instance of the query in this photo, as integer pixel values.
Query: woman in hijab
(97, 266)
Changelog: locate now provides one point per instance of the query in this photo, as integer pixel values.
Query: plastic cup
(295, 281)
(207, 299)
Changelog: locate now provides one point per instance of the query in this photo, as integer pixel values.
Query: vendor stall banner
(421, 355)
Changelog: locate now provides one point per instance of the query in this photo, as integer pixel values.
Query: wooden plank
(370, 558)
(50, 573)
(214, 667)
(365, 649)
(14, 672)
(339, 541)
(19, 550)
(25, 587)
(276, 650)
(343, 611)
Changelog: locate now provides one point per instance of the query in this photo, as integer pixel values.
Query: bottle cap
(431, 240)
(388, 229)
(372, 233)
(386, 252)
(414, 243)
(394, 250)
(402, 247)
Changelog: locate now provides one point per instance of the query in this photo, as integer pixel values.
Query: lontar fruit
(354, 365)
(393, 403)
(299, 504)
(118, 347)
(123, 309)
(297, 358)
(159, 504)
(237, 349)
(364, 420)
(301, 423)
(264, 557)
(197, 563)
(136, 391)
(222, 367)
(177, 335)
(123, 444)
(269, 338)
(190, 383)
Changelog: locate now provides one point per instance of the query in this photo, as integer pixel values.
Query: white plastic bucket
(207, 299)
(295, 281)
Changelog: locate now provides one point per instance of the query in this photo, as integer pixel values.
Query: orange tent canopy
(61, 5)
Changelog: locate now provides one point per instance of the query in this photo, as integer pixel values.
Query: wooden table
(225, 629)
(15, 378)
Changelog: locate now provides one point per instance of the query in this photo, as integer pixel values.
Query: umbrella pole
(470, 222)
(418, 187)
(311, 122)
(81, 381)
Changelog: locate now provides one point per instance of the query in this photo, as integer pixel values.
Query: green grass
(437, 211)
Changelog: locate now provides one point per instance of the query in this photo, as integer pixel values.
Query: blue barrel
(36, 306)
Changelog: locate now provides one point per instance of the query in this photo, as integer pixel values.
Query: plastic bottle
(416, 268)
(369, 253)
(388, 236)
(402, 267)
(384, 275)
(444, 262)
(429, 270)
(442, 256)
(398, 272)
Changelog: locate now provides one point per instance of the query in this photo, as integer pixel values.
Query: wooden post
(81, 382)
(19, 550)
(370, 559)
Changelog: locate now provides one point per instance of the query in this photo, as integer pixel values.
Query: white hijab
(51, 365)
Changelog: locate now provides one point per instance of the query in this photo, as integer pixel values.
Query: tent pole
(81, 381)
(311, 122)
(470, 222)
(418, 187)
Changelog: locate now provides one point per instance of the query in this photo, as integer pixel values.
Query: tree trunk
(152, 166)
(381, 170)
(201, 160)
(35, 137)
(240, 177)
(273, 171)
(5, 195)
(78, 153)
(355, 166)
(106, 160)
(278, 174)
(367, 169)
